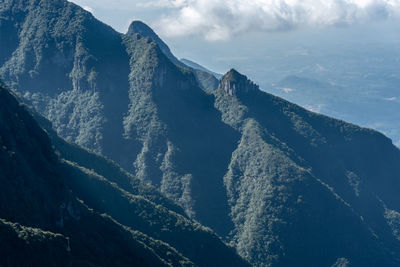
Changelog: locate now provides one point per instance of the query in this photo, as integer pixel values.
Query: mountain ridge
(194, 65)
(57, 195)
(235, 83)
(205, 79)
(246, 118)
(283, 185)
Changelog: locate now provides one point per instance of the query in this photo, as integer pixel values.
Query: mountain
(196, 66)
(119, 95)
(33, 193)
(307, 186)
(206, 79)
(283, 185)
(57, 212)
(140, 28)
(362, 103)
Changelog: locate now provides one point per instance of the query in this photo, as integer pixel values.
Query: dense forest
(123, 155)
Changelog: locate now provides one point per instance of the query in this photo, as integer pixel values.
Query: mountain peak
(233, 82)
(234, 75)
(139, 27)
(205, 78)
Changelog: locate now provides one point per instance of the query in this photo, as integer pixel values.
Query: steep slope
(206, 79)
(72, 68)
(138, 27)
(57, 196)
(33, 194)
(179, 129)
(305, 188)
(24, 246)
(122, 97)
(284, 185)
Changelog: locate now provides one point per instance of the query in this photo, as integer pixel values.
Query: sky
(220, 19)
(224, 28)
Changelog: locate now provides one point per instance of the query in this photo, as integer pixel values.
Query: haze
(347, 50)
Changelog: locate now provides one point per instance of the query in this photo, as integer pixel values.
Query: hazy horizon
(353, 45)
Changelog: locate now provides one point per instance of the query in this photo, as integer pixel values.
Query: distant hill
(369, 107)
(283, 185)
(196, 66)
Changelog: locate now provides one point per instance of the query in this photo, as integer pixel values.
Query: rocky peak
(205, 80)
(234, 82)
(138, 27)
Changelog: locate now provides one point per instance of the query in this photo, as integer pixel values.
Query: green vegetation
(22, 246)
(282, 185)
(206, 80)
(99, 222)
(297, 183)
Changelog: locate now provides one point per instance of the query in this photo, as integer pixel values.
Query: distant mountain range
(375, 108)
(196, 66)
(284, 186)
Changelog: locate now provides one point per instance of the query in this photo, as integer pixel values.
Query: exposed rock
(233, 82)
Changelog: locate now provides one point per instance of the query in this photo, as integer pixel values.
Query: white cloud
(220, 19)
(162, 3)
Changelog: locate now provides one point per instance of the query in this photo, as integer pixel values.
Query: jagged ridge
(59, 196)
(284, 185)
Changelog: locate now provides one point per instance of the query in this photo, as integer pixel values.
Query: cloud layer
(220, 19)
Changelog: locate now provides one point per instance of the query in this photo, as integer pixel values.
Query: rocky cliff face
(205, 80)
(33, 193)
(301, 178)
(178, 129)
(140, 28)
(285, 186)
(55, 211)
(70, 66)
(235, 83)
